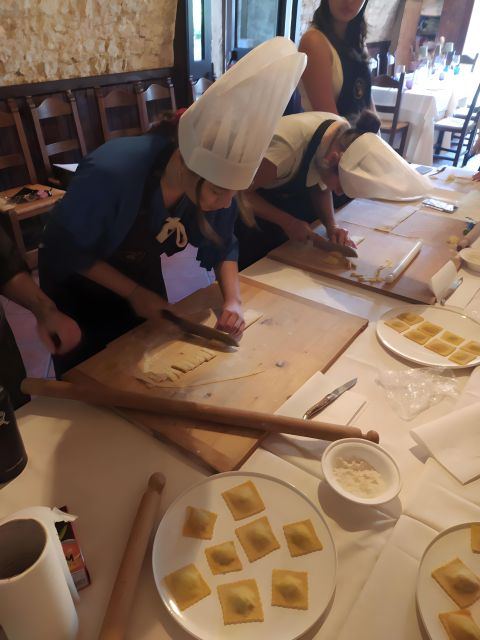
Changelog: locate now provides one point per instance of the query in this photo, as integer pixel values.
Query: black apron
(356, 93)
(12, 370)
(292, 197)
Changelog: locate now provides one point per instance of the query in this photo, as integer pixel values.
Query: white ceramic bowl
(471, 257)
(374, 455)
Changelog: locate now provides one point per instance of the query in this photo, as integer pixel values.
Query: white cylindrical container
(35, 600)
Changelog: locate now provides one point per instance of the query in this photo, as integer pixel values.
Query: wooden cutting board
(293, 339)
(373, 251)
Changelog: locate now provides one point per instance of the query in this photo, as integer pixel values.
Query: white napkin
(454, 439)
(443, 279)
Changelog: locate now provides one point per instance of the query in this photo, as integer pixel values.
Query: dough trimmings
(451, 338)
(438, 346)
(397, 325)
(243, 500)
(462, 357)
(199, 523)
(290, 589)
(475, 537)
(187, 586)
(301, 538)
(257, 538)
(417, 336)
(472, 346)
(461, 584)
(240, 602)
(460, 625)
(223, 558)
(429, 328)
(409, 317)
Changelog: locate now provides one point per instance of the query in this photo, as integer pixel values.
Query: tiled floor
(182, 274)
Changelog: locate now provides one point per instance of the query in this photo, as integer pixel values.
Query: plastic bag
(411, 391)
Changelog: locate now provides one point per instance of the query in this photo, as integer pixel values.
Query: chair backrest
(469, 61)
(199, 87)
(117, 108)
(13, 121)
(162, 95)
(469, 125)
(55, 107)
(391, 83)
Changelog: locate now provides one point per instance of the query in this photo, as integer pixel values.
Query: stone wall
(58, 39)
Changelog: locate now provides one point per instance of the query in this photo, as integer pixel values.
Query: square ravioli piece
(223, 558)
(240, 602)
(451, 338)
(429, 328)
(462, 357)
(416, 336)
(199, 523)
(187, 586)
(460, 625)
(301, 538)
(475, 537)
(472, 346)
(397, 325)
(440, 347)
(257, 538)
(409, 317)
(290, 589)
(243, 500)
(461, 584)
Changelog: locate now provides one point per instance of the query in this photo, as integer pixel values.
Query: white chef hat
(370, 168)
(224, 135)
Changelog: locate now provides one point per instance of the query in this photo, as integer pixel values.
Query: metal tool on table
(328, 399)
(328, 245)
(114, 625)
(198, 329)
(451, 289)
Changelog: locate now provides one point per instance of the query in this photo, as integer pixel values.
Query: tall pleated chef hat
(370, 168)
(224, 135)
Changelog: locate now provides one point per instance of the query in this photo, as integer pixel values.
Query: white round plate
(451, 319)
(431, 598)
(284, 504)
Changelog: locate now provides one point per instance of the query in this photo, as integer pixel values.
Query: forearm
(107, 276)
(227, 276)
(263, 209)
(323, 206)
(23, 290)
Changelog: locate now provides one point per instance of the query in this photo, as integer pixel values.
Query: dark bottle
(13, 456)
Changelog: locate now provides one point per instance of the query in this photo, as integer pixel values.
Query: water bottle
(13, 456)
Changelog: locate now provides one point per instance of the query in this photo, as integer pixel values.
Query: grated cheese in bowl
(359, 477)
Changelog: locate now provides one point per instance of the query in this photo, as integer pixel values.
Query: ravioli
(440, 347)
(257, 538)
(199, 523)
(461, 584)
(290, 589)
(223, 558)
(301, 538)
(187, 586)
(243, 500)
(451, 338)
(472, 346)
(409, 317)
(417, 336)
(429, 328)
(460, 625)
(475, 537)
(397, 325)
(240, 602)
(462, 357)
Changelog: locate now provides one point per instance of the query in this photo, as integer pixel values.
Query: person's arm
(144, 302)
(294, 228)
(231, 319)
(323, 207)
(476, 177)
(318, 75)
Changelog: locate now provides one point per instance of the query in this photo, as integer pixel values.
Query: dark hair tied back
(367, 122)
(355, 34)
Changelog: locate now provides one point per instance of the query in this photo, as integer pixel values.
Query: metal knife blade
(451, 289)
(328, 245)
(199, 329)
(328, 399)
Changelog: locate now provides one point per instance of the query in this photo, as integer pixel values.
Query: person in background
(136, 198)
(337, 76)
(58, 332)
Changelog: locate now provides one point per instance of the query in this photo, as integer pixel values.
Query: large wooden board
(374, 250)
(293, 339)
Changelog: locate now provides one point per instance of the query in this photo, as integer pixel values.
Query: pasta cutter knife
(198, 329)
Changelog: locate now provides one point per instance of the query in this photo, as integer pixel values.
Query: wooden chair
(16, 213)
(62, 111)
(393, 126)
(199, 87)
(464, 131)
(158, 97)
(467, 60)
(119, 112)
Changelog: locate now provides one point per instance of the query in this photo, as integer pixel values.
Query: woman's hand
(59, 333)
(340, 236)
(146, 303)
(231, 319)
(297, 230)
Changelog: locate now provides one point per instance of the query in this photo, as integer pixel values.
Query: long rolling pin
(106, 396)
(404, 262)
(118, 611)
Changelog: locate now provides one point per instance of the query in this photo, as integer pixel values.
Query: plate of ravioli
(448, 584)
(244, 555)
(432, 336)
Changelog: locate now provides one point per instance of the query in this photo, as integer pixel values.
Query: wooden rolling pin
(107, 396)
(118, 611)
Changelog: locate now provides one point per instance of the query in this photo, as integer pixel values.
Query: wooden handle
(118, 611)
(471, 236)
(106, 396)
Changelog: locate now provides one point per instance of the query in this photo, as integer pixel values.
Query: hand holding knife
(328, 399)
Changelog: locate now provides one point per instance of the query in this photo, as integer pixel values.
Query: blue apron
(356, 93)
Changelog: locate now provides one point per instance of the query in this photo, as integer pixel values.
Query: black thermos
(13, 456)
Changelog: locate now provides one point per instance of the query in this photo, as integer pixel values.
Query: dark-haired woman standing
(337, 76)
